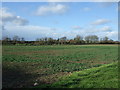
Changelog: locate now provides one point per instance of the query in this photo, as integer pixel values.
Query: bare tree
(6, 39)
(16, 38)
(63, 40)
(22, 39)
(78, 39)
(105, 39)
(50, 41)
(92, 39)
(87, 39)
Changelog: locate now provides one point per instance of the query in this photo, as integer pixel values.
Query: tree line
(78, 40)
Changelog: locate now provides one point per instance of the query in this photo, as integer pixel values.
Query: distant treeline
(78, 40)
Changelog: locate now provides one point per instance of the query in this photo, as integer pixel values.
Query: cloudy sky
(33, 20)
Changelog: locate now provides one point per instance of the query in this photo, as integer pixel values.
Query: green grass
(47, 63)
(105, 76)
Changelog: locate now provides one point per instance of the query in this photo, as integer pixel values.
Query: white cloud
(113, 34)
(76, 27)
(8, 17)
(30, 32)
(105, 28)
(100, 22)
(94, 29)
(20, 21)
(86, 9)
(30, 28)
(51, 9)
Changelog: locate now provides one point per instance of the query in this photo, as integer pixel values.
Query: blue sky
(33, 20)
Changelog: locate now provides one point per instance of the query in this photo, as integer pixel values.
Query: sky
(33, 20)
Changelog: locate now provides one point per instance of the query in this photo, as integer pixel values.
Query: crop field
(23, 66)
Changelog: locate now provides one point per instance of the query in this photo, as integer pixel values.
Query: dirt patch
(48, 52)
(38, 71)
(73, 61)
(98, 62)
(52, 78)
(35, 58)
(88, 62)
(80, 61)
(24, 53)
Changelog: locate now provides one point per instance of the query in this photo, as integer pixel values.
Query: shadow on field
(15, 77)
